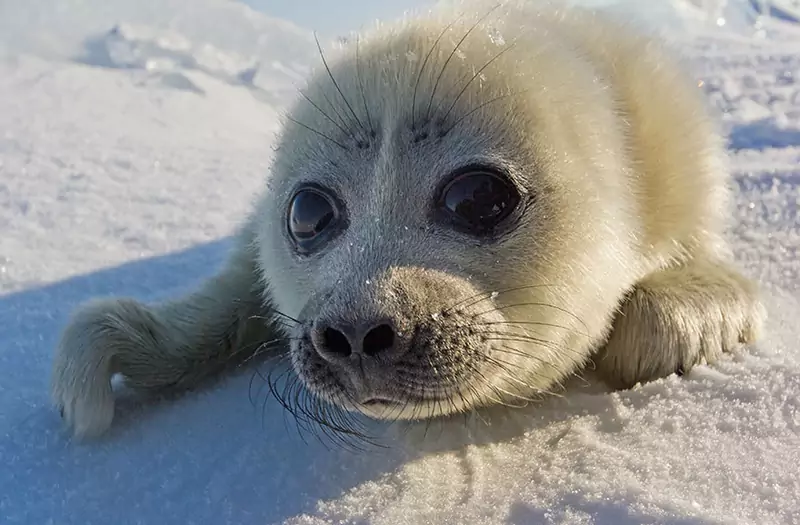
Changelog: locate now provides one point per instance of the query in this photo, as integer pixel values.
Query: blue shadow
(208, 457)
(762, 134)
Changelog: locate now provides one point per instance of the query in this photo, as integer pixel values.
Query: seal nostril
(336, 342)
(378, 339)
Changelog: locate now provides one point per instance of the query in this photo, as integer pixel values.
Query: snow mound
(59, 29)
(167, 55)
(166, 39)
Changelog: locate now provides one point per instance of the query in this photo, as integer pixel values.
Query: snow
(128, 155)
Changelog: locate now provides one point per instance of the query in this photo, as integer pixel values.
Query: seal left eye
(311, 213)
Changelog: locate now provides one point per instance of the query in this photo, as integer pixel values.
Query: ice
(134, 134)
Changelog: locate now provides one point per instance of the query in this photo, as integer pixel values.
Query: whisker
(293, 390)
(316, 106)
(533, 323)
(272, 319)
(286, 316)
(547, 305)
(428, 422)
(541, 342)
(452, 54)
(452, 89)
(495, 57)
(480, 106)
(502, 399)
(422, 68)
(509, 375)
(528, 338)
(477, 397)
(345, 122)
(361, 87)
(505, 349)
(311, 414)
(256, 372)
(263, 349)
(288, 409)
(312, 130)
(336, 84)
(486, 295)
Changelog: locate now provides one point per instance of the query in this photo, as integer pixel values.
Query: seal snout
(340, 341)
(401, 342)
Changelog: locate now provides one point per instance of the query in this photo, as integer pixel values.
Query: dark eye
(478, 200)
(311, 214)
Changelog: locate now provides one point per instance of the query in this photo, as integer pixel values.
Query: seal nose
(338, 341)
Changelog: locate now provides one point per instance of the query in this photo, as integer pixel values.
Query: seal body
(464, 208)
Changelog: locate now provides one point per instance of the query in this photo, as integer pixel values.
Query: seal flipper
(174, 345)
(679, 317)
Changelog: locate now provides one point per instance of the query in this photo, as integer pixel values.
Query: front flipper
(676, 318)
(173, 345)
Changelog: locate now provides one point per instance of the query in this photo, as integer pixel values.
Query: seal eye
(311, 213)
(478, 200)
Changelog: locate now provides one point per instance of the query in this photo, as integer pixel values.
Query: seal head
(446, 218)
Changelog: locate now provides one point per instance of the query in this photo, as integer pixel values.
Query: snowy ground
(126, 158)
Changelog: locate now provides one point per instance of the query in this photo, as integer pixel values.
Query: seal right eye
(312, 213)
(478, 200)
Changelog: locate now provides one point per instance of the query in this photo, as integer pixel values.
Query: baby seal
(464, 208)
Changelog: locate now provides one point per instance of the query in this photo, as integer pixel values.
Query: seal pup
(464, 209)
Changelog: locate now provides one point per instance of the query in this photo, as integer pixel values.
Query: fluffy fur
(616, 254)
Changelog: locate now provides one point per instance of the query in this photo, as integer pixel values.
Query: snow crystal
(497, 37)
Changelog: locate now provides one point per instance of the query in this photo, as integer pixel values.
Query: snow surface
(133, 136)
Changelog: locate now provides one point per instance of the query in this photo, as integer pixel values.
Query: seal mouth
(380, 402)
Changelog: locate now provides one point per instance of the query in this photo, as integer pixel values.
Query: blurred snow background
(133, 136)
